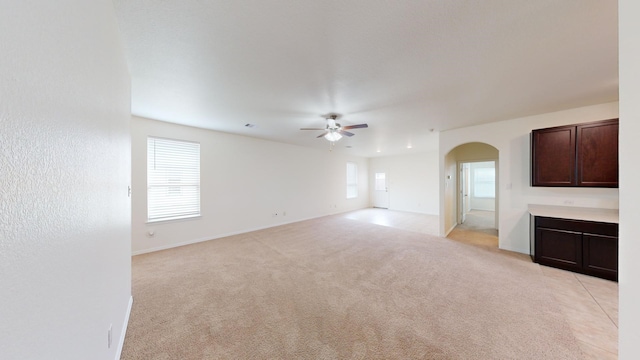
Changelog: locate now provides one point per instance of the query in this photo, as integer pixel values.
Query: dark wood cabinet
(580, 155)
(554, 156)
(597, 154)
(600, 255)
(559, 248)
(581, 246)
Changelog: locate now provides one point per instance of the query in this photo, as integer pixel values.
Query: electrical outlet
(275, 214)
(109, 336)
(284, 213)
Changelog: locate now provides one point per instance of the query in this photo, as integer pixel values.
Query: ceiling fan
(334, 131)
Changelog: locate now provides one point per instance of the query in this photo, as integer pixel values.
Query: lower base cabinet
(581, 246)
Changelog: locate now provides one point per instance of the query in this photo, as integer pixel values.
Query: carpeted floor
(335, 288)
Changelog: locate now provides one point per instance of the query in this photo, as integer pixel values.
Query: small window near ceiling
(173, 179)
(484, 180)
(352, 180)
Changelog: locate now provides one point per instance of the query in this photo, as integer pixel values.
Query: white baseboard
(194, 241)
(123, 333)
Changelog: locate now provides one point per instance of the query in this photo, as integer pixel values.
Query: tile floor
(589, 304)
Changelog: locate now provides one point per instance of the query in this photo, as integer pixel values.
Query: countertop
(575, 213)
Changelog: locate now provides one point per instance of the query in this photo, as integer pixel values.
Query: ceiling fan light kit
(333, 136)
(334, 131)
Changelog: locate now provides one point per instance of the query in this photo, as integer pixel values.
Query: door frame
(460, 199)
(464, 187)
(375, 192)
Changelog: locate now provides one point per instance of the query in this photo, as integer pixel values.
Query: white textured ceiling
(403, 67)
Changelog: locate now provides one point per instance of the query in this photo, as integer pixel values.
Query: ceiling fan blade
(323, 134)
(359, 126)
(345, 133)
(312, 129)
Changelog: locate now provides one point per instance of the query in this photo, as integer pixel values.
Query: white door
(381, 191)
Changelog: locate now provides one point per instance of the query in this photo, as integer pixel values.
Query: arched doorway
(471, 194)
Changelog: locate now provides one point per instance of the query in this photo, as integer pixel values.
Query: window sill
(174, 219)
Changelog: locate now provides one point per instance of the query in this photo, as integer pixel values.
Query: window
(352, 180)
(484, 181)
(381, 182)
(173, 179)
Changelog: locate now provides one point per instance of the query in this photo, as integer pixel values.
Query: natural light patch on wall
(352, 180)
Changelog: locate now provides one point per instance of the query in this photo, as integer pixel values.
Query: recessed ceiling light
(250, 125)
(409, 146)
(377, 150)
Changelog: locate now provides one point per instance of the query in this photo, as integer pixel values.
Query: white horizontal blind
(484, 182)
(352, 180)
(173, 179)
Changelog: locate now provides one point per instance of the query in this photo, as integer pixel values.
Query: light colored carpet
(335, 288)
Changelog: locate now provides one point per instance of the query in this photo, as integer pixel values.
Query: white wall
(244, 181)
(629, 250)
(449, 187)
(511, 138)
(412, 181)
(65, 265)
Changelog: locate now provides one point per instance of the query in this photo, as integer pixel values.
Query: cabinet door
(600, 255)
(559, 248)
(597, 145)
(553, 157)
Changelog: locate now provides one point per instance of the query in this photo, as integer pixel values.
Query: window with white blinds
(352, 180)
(484, 180)
(173, 179)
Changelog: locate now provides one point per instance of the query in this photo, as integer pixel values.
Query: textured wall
(629, 174)
(64, 171)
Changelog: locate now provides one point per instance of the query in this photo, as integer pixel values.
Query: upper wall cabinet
(580, 155)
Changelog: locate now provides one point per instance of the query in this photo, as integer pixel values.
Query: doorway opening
(477, 204)
(459, 219)
(381, 191)
(478, 193)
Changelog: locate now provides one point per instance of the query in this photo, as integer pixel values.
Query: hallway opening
(474, 194)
